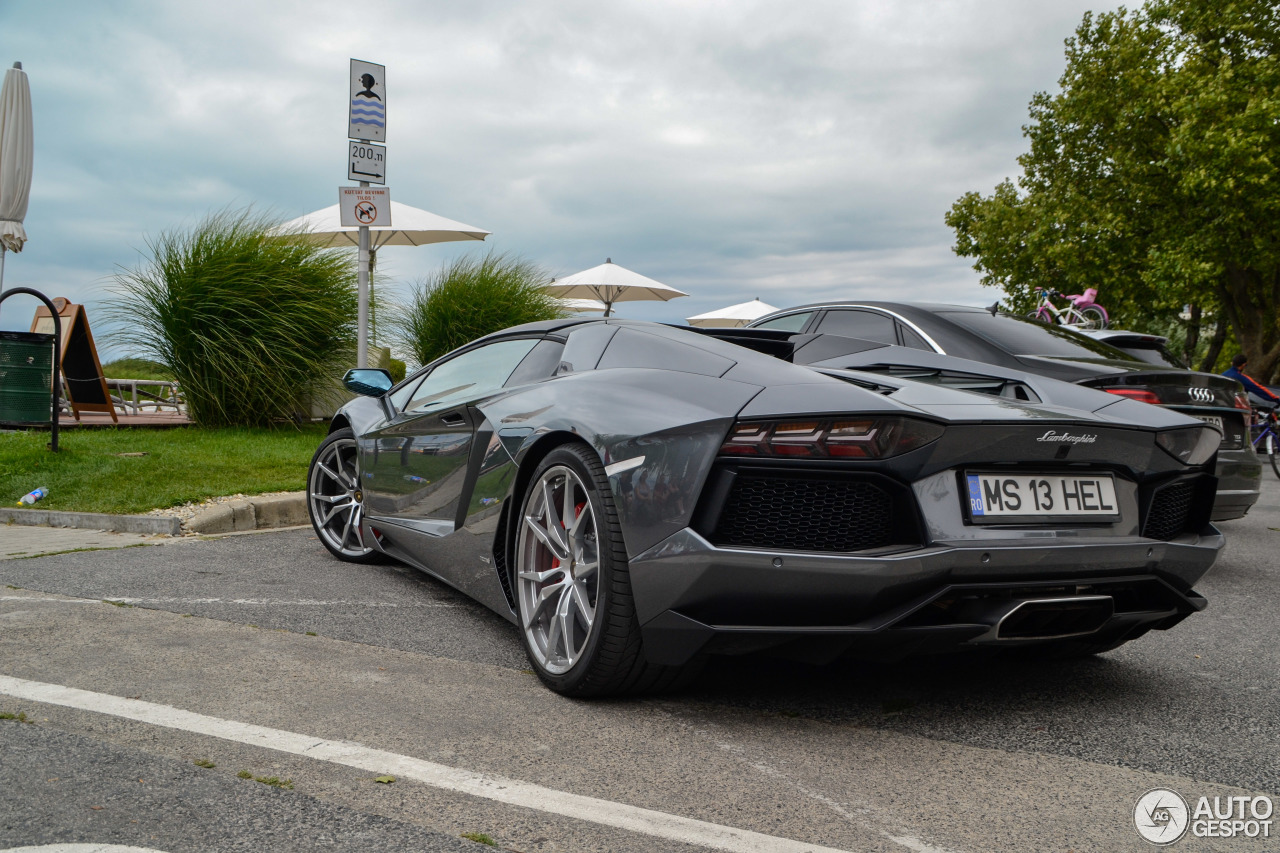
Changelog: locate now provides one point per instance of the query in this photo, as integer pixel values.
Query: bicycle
(1264, 426)
(1082, 313)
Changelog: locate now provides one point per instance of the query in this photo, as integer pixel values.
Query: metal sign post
(367, 122)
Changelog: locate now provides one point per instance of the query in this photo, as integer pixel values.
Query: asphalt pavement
(267, 629)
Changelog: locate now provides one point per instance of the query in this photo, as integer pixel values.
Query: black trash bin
(26, 378)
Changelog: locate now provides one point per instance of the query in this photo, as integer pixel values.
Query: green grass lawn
(89, 474)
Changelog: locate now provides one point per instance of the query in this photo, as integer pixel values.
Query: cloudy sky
(792, 151)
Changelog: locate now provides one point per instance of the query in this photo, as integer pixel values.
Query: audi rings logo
(1160, 816)
(1200, 395)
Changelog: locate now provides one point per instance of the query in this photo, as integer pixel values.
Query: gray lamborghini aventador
(635, 497)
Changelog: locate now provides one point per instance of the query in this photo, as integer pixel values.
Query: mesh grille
(805, 514)
(1169, 509)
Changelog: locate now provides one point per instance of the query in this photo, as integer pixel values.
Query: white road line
(510, 791)
(282, 602)
(81, 848)
(268, 602)
(57, 600)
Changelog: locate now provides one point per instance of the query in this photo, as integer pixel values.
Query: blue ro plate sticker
(975, 494)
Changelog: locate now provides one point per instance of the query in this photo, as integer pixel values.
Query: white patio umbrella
(583, 306)
(16, 155)
(733, 316)
(410, 226)
(610, 283)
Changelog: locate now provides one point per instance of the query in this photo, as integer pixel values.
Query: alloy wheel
(558, 569)
(337, 502)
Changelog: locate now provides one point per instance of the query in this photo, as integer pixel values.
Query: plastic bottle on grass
(31, 497)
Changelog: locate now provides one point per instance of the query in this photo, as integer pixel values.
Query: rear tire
(1094, 318)
(573, 588)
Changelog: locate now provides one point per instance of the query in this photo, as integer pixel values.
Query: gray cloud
(794, 151)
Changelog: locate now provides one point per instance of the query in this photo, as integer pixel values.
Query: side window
(469, 376)
(788, 323)
(540, 363)
(404, 393)
(634, 348)
(911, 339)
(585, 346)
(867, 325)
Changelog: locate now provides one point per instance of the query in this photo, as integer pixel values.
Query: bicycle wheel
(1270, 447)
(1094, 318)
(1040, 317)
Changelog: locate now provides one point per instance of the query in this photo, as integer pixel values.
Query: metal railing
(145, 396)
(141, 397)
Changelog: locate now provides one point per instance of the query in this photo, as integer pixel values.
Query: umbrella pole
(2, 251)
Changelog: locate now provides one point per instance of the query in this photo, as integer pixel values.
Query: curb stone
(251, 514)
(150, 524)
(255, 513)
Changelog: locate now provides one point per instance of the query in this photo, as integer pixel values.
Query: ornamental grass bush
(471, 297)
(247, 324)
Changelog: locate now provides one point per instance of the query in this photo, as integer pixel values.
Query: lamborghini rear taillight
(830, 438)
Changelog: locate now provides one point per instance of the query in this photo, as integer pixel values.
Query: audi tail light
(1191, 445)
(1142, 395)
(1242, 401)
(830, 438)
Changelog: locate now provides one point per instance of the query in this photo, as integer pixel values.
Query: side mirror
(369, 382)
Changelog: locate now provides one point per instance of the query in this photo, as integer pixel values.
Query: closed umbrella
(610, 283)
(16, 155)
(733, 316)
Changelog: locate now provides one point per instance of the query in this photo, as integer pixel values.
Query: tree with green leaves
(1153, 175)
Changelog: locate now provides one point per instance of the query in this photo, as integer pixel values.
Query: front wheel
(1094, 318)
(1040, 317)
(577, 619)
(335, 500)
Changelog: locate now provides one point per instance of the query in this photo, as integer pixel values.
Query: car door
(414, 469)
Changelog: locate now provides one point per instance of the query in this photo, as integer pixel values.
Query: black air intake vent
(1170, 507)
(813, 511)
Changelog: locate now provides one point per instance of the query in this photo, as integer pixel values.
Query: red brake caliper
(577, 511)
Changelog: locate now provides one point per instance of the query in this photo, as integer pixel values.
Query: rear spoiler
(884, 366)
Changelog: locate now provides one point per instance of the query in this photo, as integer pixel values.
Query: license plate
(1213, 421)
(1041, 497)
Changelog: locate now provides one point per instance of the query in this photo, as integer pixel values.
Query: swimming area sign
(368, 102)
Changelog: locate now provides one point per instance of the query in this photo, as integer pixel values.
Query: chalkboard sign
(81, 370)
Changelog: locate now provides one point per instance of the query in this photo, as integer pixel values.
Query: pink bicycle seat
(1086, 298)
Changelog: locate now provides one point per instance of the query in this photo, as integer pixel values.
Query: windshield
(1030, 337)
